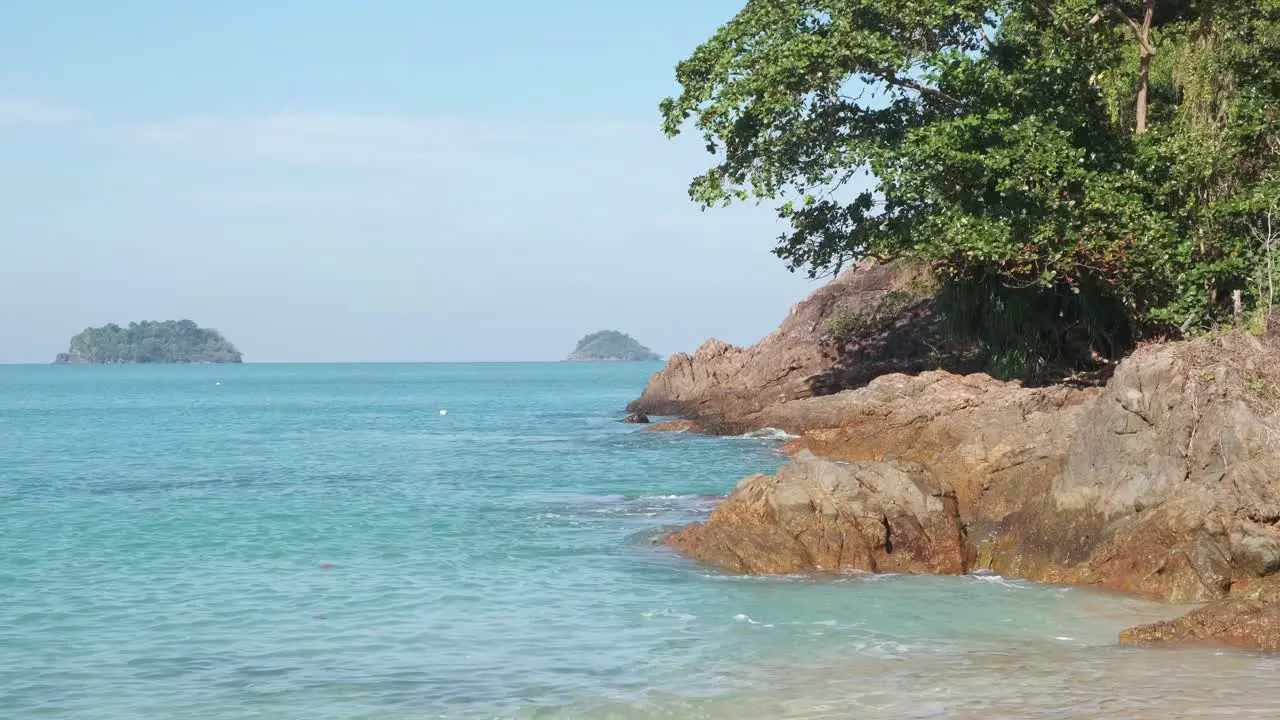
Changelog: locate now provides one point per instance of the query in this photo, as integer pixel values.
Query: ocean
(321, 542)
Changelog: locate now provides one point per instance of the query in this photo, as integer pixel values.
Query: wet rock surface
(675, 426)
(1243, 624)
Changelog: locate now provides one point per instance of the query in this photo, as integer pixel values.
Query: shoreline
(1163, 483)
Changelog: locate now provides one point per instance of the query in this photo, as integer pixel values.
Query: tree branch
(1047, 9)
(985, 37)
(891, 77)
(1137, 29)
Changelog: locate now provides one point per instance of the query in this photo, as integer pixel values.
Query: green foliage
(997, 142)
(853, 327)
(171, 341)
(1255, 323)
(612, 345)
(1029, 333)
(1259, 386)
(849, 327)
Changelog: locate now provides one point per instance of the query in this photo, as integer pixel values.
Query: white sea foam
(857, 575)
(768, 434)
(669, 613)
(1000, 580)
(667, 497)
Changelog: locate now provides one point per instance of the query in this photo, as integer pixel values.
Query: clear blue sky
(336, 181)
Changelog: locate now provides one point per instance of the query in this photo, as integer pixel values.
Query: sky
(334, 181)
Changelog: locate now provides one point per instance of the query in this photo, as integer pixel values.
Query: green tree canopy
(1077, 158)
(171, 341)
(611, 345)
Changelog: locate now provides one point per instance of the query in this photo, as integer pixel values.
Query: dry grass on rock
(1234, 366)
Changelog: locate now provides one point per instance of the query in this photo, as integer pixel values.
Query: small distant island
(612, 345)
(170, 341)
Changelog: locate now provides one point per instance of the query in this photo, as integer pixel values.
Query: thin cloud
(33, 111)
(355, 140)
(466, 174)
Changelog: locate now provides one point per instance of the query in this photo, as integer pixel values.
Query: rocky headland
(1163, 480)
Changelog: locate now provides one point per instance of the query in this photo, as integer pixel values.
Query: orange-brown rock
(1166, 483)
(1249, 619)
(1171, 485)
(823, 515)
(997, 443)
(726, 387)
(1245, 624)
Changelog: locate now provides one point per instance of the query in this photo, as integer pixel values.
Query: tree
(611, 345)
(1095, 169)
(150, 342)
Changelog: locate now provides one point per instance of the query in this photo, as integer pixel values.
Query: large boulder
(726, 387)
(1250, 619)
(1244, 624)
(824, 515)
(1171, 485)
(997, 443)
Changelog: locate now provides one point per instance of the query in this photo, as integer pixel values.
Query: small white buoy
(217, 383)
(444, 412)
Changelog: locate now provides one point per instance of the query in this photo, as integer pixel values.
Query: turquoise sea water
(319, 541)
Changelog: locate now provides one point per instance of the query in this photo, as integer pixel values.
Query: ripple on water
(317, 542)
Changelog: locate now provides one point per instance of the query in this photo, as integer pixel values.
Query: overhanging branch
(1137, 29)
(891, 77)
(1047, 8)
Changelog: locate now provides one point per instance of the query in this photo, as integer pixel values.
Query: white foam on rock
(768, 433)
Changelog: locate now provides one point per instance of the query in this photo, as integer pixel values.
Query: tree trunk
(1144, 60)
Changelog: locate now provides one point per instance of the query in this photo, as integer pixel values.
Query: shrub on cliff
(850, 326)
(1097, 171)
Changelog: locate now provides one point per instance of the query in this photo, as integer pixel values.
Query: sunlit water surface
(320, 542)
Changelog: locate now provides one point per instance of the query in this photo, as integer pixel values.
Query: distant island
(170, 341)
(612, 345)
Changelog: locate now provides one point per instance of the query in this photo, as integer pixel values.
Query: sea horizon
(348, 362)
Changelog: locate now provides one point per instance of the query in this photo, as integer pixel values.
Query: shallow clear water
(319, 542)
